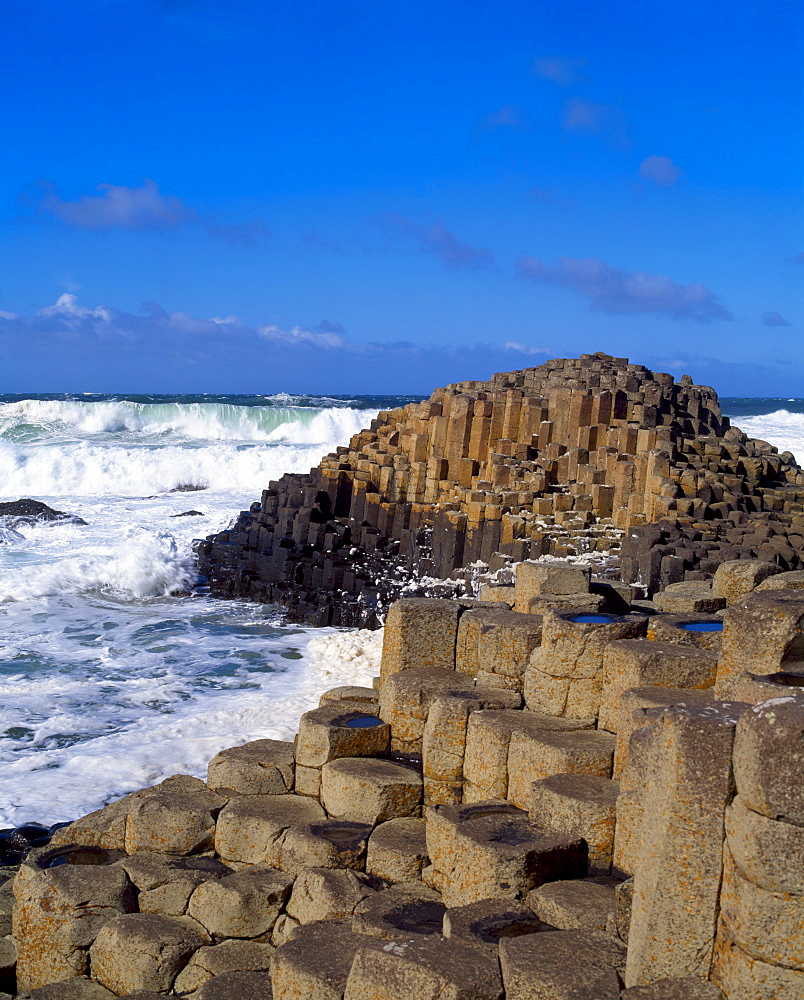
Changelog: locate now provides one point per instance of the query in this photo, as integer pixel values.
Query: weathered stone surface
(327, 894)
(583, 805)
(687, 781)
(79, 988)
(574, 904)
(60, 911)
(769, 853)
(350, 692)
(262, 767)
(561, 965)
(689, 597)
(405, 700)
(637, 663)
(165, 883)
(419, 633)
(534, 579)
(761, 634)
(738, 577)
(565, 675)
(471, 625)
(330, 732)
(397, 850)
(174, 820)
(536, 755)
(405, 910)
(104, 827)
(314, 963)
(767, 925)
(491, 850)
(370, 790)
(767, 733)
(143, 951)
(251, 827)
(236, 986)
(792, 580)
(228, 956)
(505, 643)
(742, 977)
(485, 923)
(327, 844)
(411, 967)
(675, 629)
(244, 905)
(488, 737)
(687, 988)
(623, 900)
(589, 603)
(637, 709)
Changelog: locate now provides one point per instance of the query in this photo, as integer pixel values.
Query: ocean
(108, 683)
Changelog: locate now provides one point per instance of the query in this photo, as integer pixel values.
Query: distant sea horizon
(107, 682)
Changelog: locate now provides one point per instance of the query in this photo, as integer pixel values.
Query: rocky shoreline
(560, 788)
(577, 803)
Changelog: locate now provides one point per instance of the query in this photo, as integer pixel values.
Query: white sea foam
(783, 429)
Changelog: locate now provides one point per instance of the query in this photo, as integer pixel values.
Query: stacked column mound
(580, 804)
(556, 460)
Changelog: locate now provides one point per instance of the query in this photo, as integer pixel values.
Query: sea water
(107, 682)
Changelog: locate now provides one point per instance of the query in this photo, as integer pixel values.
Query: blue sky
(359, 197)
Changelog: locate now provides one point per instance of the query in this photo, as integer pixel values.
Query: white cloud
(67, 307)
(515, 345)
(120, 207)
(660, 169)
(300, 335)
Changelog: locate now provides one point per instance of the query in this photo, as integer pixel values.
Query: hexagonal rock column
(405, 700)
(327, 894)
(738, 577)
(420, 633)
(488, 738)
(244, 905)
(444, 739)
(575, 904)
(434, 967)
(485, 923)
(534, 579)
(702, 631)
(634, 663)
(761, 921)
(165, 883)
(583, 805)
(761, 633)
(561, 965)
(505, 644)
(262, 767)
(315, 962)
(144, 951)
(397, 850)
(405, 910)
(251, 827)
(228, 956)
(565, 675)
(370, 790)
(330, 732)
(640, 706)
(174, 820)
(678, 851)
(688, 597)
(540, 754)
(60, 911)
(491, 849)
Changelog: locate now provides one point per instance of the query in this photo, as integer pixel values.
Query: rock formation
(569, 457)
(558, 806)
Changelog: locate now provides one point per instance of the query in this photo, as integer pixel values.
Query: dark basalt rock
(189, 513)
(28, 511)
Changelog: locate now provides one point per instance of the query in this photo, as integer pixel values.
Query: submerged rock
(27, 511)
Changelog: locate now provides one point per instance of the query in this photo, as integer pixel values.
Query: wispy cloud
(611, 290)
(596, 118)
(120, 207)
(326, 334)
(519, 348)
(774, 318)
(559, 69)
(144, 208)
(659, 169)
(437, 239)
